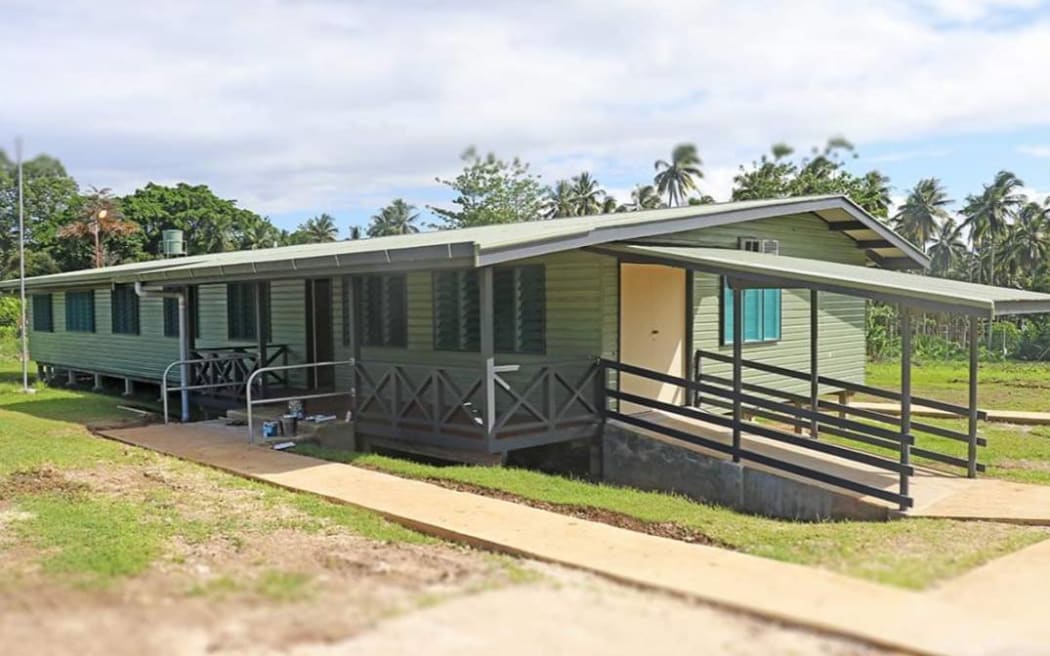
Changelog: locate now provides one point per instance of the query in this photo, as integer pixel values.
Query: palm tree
(988, 215)
(260, 234)
(559, 202)
(947, 249)
(355, 232)
(609, 205)
(919, 218)
(397, 218)
(678, 177)
(320, 229)
(644, 197)
(587, 195)
(1027, 246)
(99, 218)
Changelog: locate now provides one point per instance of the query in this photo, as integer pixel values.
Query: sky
(298, 108)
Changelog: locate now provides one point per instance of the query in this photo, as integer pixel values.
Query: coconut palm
(99, 218)
(678, 177)
(260, 234)
(644, 197)
(609, 205)
(988, 214)
(355, 232)
(587, 195)
(919, 218)
(397, 218)
(320, 229)
(947, 249)
(559, 202)
(1027, 246)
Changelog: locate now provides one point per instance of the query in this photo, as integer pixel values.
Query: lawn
(1017, 453)
(913, 554)
(1003, 385)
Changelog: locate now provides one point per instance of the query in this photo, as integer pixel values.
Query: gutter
(184, 343)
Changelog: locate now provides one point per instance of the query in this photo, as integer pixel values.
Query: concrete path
(995, 416)
(794, 594)
(1013, 586)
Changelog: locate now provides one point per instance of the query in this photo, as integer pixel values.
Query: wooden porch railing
(446, 405)
(233, 365)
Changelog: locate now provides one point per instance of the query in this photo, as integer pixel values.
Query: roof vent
(173, 244)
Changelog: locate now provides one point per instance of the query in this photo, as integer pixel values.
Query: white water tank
(172, 243)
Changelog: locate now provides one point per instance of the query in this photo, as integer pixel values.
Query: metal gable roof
(486, 245)
(749, 269)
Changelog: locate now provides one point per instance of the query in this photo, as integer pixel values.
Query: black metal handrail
(828, 423)
(742, 452)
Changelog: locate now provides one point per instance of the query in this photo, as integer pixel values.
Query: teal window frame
(763, 308)
(80, 312)
(124, 310)
(43, 313)
(384, 310)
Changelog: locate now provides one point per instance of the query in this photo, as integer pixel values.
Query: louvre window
(124, 308)
(80, 312)
(43, 313)
(345, 296)
(171, 313)
(383, 311)
(519, 310)
(761, 307)
(241, 299)
(456, 311)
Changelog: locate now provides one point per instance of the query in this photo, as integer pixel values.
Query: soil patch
(43, 480)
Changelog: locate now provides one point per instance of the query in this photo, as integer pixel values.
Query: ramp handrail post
(971, 450)
(287, 367)
(738, 338)
(905, 449)
(184, 386)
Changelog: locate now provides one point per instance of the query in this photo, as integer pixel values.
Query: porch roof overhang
(746, 269)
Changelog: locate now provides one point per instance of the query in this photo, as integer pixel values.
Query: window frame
(386, 336)
(118, 295)
(253, 334)
(753, 245)
(72, 327)
(37, 299)
(463, 342)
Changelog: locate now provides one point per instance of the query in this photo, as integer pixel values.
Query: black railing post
(698, 376)
(971, 451)
(738, 314)
(814, 362)
(905, 452)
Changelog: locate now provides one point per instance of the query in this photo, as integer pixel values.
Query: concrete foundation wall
(649, 463)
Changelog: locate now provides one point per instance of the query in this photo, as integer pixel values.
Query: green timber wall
(141, 356)
(841, 338)
(144, 356)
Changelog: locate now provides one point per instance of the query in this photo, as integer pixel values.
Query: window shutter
(80, 312)
(394, 301)
(171, 317)
(727, 313)
(446, 310)
(505, 301)
(43, 313)
(470, 311)
(531, 310)
(770, 314)
(752, 315)
(344, 288)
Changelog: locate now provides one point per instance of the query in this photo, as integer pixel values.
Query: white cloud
(1034, 150)
(288, 106)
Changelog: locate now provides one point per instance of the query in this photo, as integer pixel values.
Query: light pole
(99, 216)
(22, 270)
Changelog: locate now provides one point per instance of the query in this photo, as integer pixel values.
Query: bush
(10, 313)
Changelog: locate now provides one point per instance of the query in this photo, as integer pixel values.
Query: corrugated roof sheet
(895, 286)
(481, 245)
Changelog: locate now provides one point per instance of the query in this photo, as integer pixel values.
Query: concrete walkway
(821, 600)
(995, 416)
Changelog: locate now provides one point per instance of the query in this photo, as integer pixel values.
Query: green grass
(1003, 385)
(95, 539)
(913, 553)
(281, 586)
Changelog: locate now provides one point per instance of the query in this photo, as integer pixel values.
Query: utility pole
(22, 268)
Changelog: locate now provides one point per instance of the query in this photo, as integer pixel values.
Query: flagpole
(22, 267)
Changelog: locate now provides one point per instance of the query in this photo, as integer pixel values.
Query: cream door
(652, 329)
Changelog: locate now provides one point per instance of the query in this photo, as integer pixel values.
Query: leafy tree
(101, 219)
(211, 224)
(397, 218)
(51, 199)
(678, 177)
(823, 172)
(319, 230)
(919, 218)
(490, 190)
(947, 250)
